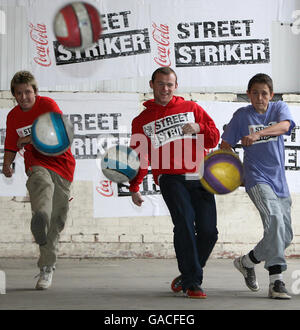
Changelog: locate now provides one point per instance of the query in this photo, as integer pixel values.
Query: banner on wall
(120, 52)
(104, 120)
(207, 43)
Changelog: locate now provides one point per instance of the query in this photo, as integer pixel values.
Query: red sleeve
(11, 136)
(208, 128)
(139, 142)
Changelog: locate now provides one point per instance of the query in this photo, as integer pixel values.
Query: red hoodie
(158, 139)
(19, 125)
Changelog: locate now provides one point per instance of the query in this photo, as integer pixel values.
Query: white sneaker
(248, 273)
(45, 278)
(277, 290)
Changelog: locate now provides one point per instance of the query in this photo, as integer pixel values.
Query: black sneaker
(248, 273)
(176, 285)
(277, 290)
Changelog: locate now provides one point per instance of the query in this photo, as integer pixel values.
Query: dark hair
(163, 70)
(261, 78)
(23, 77)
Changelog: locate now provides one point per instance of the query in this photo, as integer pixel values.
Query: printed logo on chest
(24, 131)
(263, 139)
(167, 129)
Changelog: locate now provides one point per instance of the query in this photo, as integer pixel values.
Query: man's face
(260, 96)
(163, 87)
(25, 96)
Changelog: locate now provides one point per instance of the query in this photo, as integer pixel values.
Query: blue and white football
(120, 164)
(52, 134)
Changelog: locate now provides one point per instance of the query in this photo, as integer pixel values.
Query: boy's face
(25, 96)
(260, 96)
(163, 87)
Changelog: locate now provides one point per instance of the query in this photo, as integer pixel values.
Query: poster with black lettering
(212, 45)
(122, 50)
(102, 120)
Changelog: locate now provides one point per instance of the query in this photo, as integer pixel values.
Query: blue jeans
(193, 212)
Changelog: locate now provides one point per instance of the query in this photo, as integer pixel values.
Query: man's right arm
(138, 142)
(9, 157)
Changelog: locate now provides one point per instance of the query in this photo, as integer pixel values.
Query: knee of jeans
(39, 217)
(209, 235)
(61, 221)
(276, 221)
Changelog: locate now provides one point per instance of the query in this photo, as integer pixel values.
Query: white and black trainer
(277, 290)
(248, 273)
(45, 278)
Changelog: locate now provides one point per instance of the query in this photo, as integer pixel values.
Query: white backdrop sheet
(210, 43)
(103, 120)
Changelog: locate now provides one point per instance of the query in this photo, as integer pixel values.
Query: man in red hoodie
(171, 135)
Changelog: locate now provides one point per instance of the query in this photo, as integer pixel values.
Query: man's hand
(137, 198)
(249, 139)
(191, 128)
(22, 141)
(7, 170)
(225, 146)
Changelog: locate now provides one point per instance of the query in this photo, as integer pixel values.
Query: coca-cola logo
(38, 35)
(161, 36)
(105, 188)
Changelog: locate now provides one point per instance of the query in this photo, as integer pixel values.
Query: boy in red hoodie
(169, 135)
(49, 177)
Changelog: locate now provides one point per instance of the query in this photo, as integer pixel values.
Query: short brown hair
(261, 78)
(23, 77)
(163, 70)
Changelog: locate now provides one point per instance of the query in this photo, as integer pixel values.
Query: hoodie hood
(151, 104)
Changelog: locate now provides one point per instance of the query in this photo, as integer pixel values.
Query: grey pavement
(138, 284)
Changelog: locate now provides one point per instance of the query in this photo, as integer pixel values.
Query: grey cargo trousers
(49, 197)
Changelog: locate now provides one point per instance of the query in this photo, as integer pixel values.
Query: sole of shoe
(40, 288)
(279, 296)
(196, 297)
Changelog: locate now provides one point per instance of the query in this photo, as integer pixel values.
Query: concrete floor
(137, 284)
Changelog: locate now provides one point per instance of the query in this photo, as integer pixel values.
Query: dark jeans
(193, 212)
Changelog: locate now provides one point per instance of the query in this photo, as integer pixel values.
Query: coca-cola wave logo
(161, 36)
(105, 188)
(38, 35)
